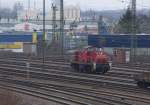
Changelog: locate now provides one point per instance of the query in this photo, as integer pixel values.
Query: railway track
(64, 97)
(66, 71)
(111, 97)
(74, 95)
(120, 74)
(38, 79)
(116, 71)
(124, 67)
(18, 56)
(68, 76)
(100, 86)
(135, 66)
(49, 60)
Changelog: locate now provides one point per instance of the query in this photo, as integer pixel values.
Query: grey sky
(85, 4)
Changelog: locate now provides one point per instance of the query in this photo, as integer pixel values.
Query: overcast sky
(84, 4)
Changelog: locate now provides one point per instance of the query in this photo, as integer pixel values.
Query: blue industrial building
(17, 37)
(143, 41)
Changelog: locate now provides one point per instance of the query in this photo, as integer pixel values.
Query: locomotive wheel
(102, 70)
(76, 67)
(81, 68)
(142, 84)
(106, 69)
(73, 66)
(88, 69)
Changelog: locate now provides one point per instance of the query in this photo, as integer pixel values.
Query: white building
(71, 13)
(26, 27)
(28, 14)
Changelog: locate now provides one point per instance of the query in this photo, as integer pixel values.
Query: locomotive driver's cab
(91, 59)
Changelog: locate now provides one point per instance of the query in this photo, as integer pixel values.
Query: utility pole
(100, 25)
(34, 5)
(0, 4)
(44, 31)
(62, 25)
(28, 5)
(133, 36)
(54, 8)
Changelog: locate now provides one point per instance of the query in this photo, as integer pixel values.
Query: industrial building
(71, 13)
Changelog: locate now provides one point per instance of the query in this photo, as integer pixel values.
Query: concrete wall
(140, 51)
(30, 48)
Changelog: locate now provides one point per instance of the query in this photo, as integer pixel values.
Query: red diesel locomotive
(91, 59)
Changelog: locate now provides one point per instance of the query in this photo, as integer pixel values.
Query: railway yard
(73, 52)
(55, 81)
